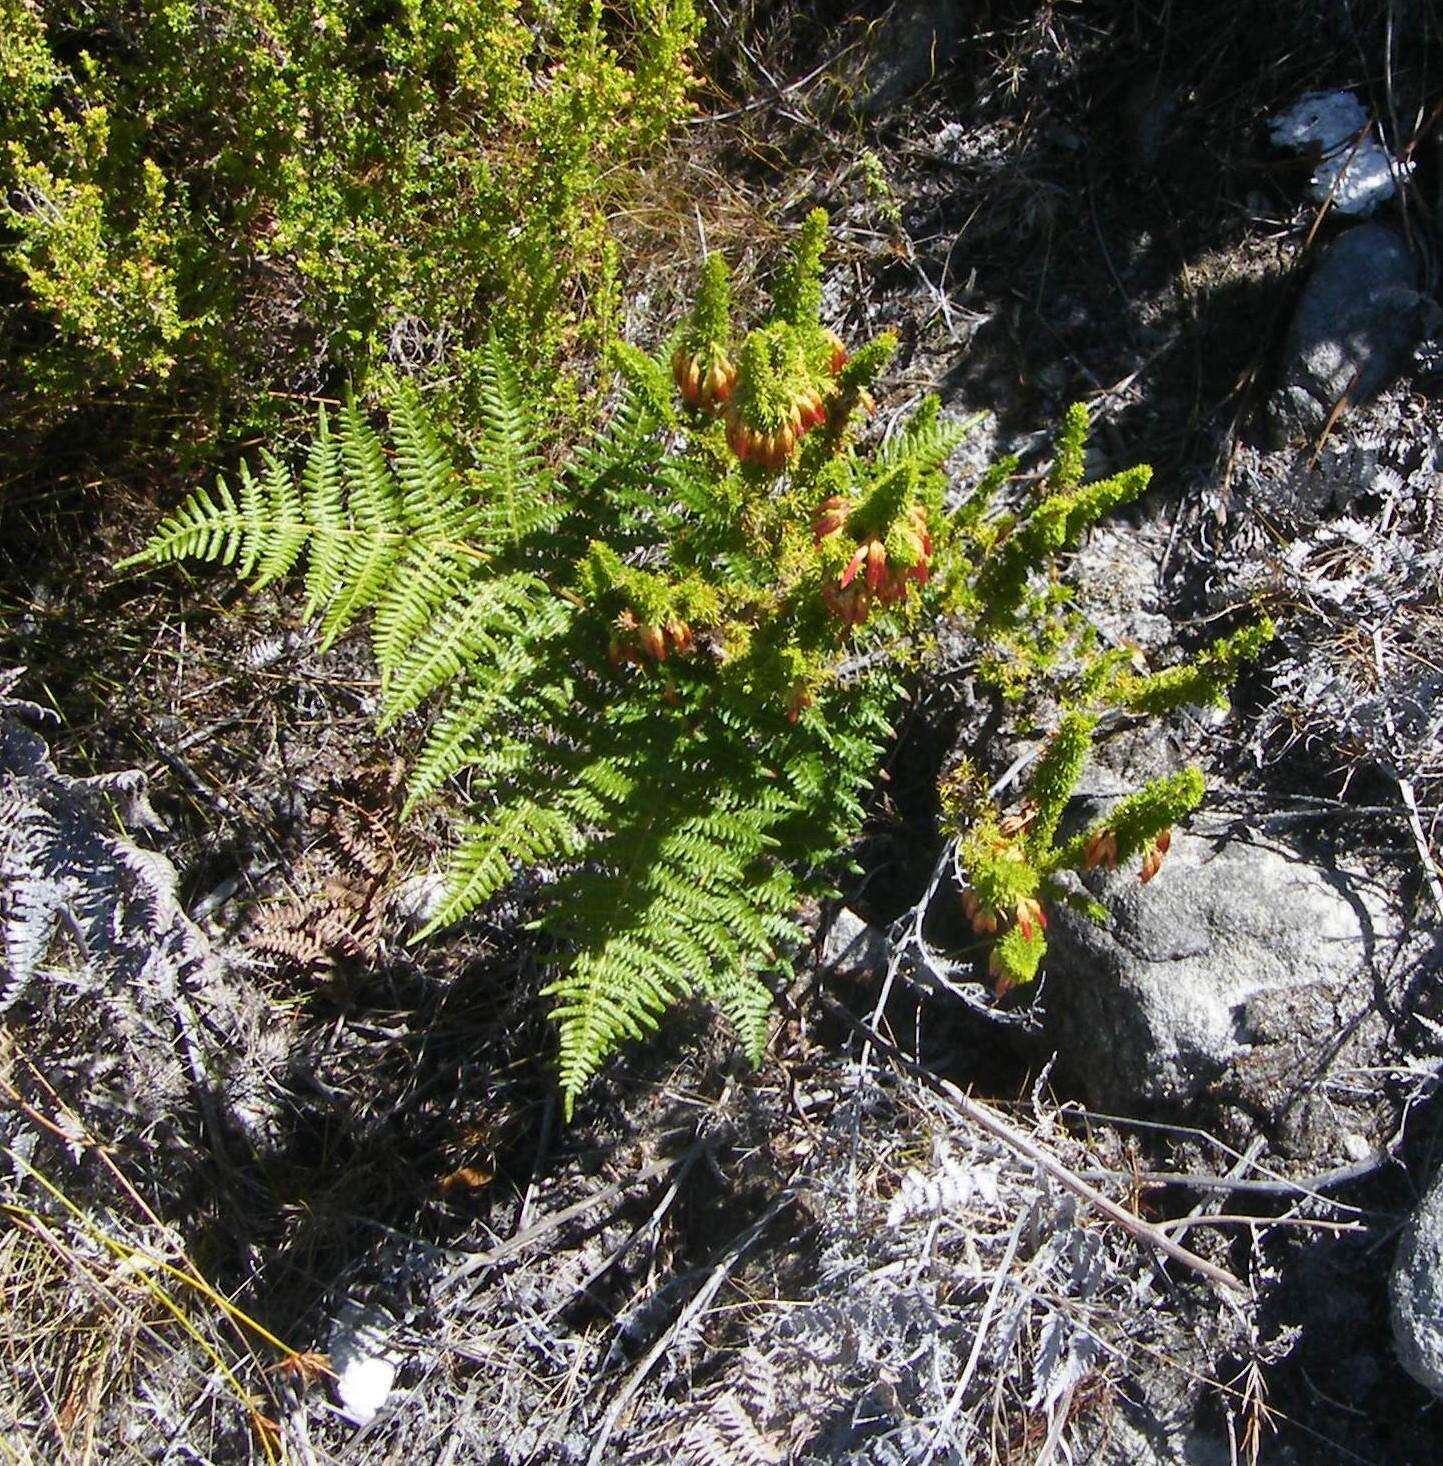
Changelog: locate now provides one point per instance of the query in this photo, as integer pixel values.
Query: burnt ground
(1073, 201)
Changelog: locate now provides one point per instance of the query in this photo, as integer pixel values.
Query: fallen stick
(994, 1125)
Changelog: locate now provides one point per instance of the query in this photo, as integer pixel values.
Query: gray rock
(1359, 319)
(1417, 1292)
(1154, 1006)
(852, 948)
(911, 44)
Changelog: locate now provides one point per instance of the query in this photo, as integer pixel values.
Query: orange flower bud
(838, 358)
(714, 389)
(1100, 849)
(653, 643)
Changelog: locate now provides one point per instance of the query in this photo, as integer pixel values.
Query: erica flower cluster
(1101, 849)
(773, 450)
(639, 642)
(883, 563)
(704, 378)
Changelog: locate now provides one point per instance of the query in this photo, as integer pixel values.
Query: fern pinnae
(253, 510)
(746, 1003)
(490, 698)
(926, 439)
(507, 459)
(433, 502)
(290, 534)
(377, 529)
(325, 512)
(630, 439)
(203, 527)
(489, 614)
(428, 578)
(523, 832)
(615, 991)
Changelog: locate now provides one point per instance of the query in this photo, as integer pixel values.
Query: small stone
(854, 948)
(1355, 173)
(910, 45)
(1417, 1292)
(362, 1387)
(1356, 325)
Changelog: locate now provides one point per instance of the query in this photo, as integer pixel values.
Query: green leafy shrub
(216, 196)
(665, 668)
(1033, 642)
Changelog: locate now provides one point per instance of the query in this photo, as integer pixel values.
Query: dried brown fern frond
(345, 883)
(727, 1435)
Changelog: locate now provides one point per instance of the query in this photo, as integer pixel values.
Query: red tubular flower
(814, 409)
(678, 635)
(1152, 859)
(850, 573)
(1030, 916)
(830, 516)
(982, 919)
(720, 380)
(653, 641)
(705, 380)
(876, 565)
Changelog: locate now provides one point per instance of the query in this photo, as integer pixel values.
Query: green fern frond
(377, 525)
(521, 833)
(614, 992)
(512, 690)
(516, 493)
(210, 526)
(289, 533)
(628, 447)
(926, 440)
(428, 578)
(650, 922)
(469, 628)
(434, 501)
(322, 494)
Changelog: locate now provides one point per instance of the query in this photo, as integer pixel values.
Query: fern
(663, 672)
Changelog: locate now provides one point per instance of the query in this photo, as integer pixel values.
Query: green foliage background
(211, 200)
